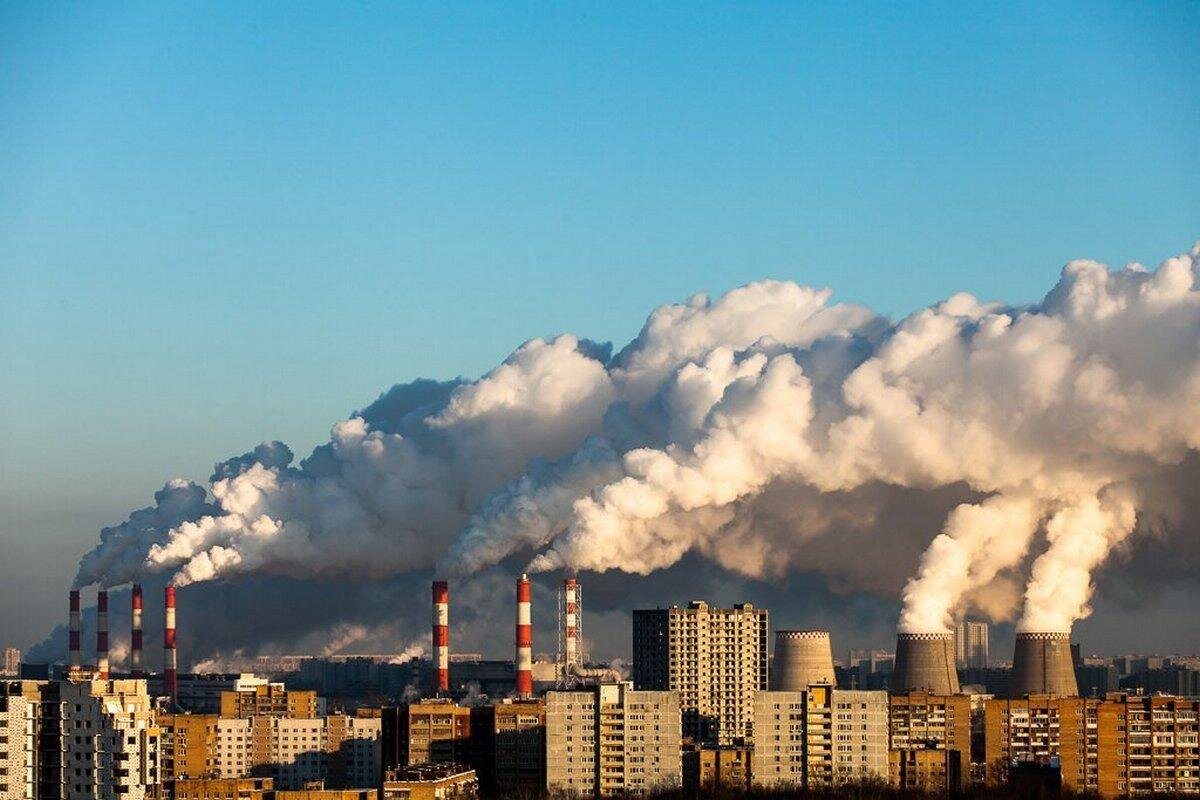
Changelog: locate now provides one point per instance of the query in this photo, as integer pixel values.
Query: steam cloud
(741, 430)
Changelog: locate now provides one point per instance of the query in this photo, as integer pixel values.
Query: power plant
(802, 659)
(925, 662)
(135, 636)
(440, 638)
(524, 659)
(102, 635)
(1042, 664)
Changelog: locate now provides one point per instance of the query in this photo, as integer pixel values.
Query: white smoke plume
(694, 435)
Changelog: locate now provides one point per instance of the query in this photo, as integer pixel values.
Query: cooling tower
(802, 658)
(925, 662)
(1042, 665)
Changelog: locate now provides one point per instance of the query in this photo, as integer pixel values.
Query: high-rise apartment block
(12, 663)
(611, 739)
(429, 731)
(20, 712)
(508, 747)
(1148, 744)
(920, 721)
(1037, 728)
(819, 737)
(971, 644)
(715, 659)
(109, 741)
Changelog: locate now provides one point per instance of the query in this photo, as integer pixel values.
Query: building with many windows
(715, 659)
(611, 739)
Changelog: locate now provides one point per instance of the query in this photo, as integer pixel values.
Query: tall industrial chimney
(135, 634)
(76, 655)
(571, 614)
(925, 662)
(1042, 664)
(802, 658)
(524, 639)
(441, 637)
(102, 635)
(170, 675)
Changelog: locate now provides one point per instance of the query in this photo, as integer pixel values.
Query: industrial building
(1043, 664)
(925, 662)
(611, 739)
(715, 659)
(821, 736)
(802, 659)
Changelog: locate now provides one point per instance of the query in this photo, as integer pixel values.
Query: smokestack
(925, 662)
(1042, 665)
(102, 634)
(524, 639)
(135, 636)
(802, 658)
(571, 613)
(170, 675)
(441, 637)
(76, 658)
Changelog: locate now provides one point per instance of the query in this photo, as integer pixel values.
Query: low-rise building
(708, 767)
(430, 782)
(223, 789)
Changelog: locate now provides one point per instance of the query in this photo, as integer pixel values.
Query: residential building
(223, 789)
(820, 737)
(715, 659)
(928, 770)
(971, 644)
(429, 731)
(1147, 744)
(268, 700)
(1038, 729)
(509, 747)
(445, 781)
(706, 767)
(108, 740)
(20, 713)
(200, 693)
(12, 663)
(611, 739)
(924, 721)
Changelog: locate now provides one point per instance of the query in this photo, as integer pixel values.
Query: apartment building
(223, 789)
(20, 707)
(706, 767)
(338, 750)
(443, 781)
(109, 741)
(268, 700)
(1039, 728)
(509, 747)
(611, 739)
(714, 659)
(919, 721)
(971, 644)
(1148, 744)
(429, 731)
(819, 737)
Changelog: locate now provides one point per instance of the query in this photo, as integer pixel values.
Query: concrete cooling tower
(802, 658)
(1042, 664)
(925, 662)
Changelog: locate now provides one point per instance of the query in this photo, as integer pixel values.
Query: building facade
(714, 659)
(971, 644)
(508, 744)
(429, 731)
(611, 739)
(109, 741)
(820, 737)
(268, 700)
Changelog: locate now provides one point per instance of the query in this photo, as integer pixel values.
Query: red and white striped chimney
(524, 639)
(102, 634)
(135, 635)
(571, 623)
(76, 655)
(441, 637)
(170, 675)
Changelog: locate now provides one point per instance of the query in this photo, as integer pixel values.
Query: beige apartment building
(20, 707)
(819, 737)
(109, 741)
(268, 700)
(715, 659)
(921, 721)
(611, 739)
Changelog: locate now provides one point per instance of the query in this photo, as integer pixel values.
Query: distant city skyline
(240, 225)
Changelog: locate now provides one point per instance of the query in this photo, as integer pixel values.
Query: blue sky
(221, 224)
